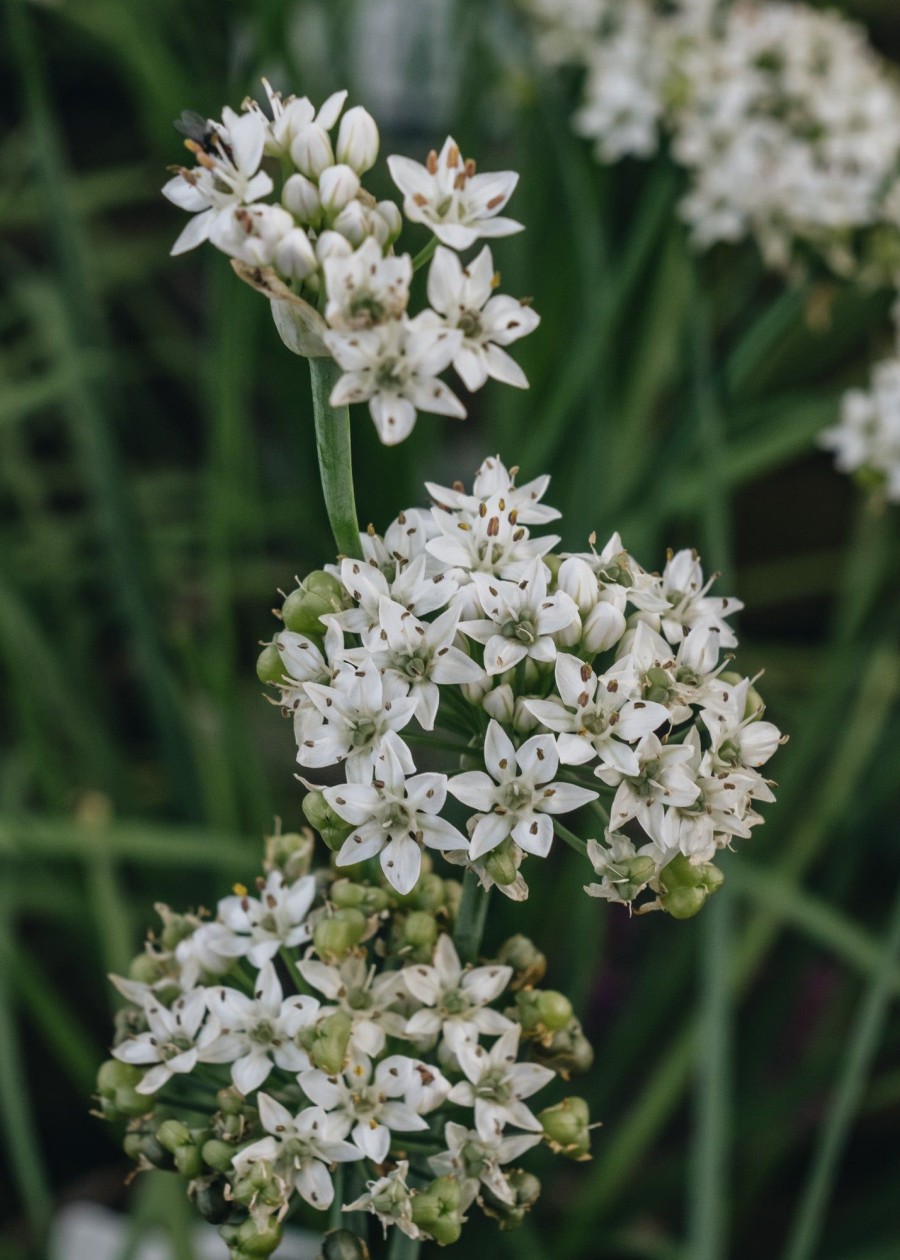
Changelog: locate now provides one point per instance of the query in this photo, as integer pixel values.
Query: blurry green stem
(335, 463)
(471, 919)
(425, 255)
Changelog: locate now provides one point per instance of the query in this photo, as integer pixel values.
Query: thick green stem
(335, 464)
(470, 922)
(404, 1248)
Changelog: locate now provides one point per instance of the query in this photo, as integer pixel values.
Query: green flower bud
(336, 936)
(217, 1154)
(176, 928)
(144, 1146)
(684, 903)
(319, 814)
(684, 887)
(348, 895)
(436, 1210)
(230, 1102)
(428, 893)
(188, 1161)
(420, 930)
(326, 1043)
(567, 1051)
(500, 863)
(116, 1085)
(340, 1244)
(567, 1128)
(317, 596)
(147, 968)
(528, 963)
(543, 1011)
(172, 1134)
(269, 666)
(255, 1239)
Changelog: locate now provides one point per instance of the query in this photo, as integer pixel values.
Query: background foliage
(158, 484)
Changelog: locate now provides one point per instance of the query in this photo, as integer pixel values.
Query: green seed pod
(500, 863)
(543, 1010)
(436, 1210)
(217, 1154)
(340, 1244)
(269, 666)
(428, 893)
(230, 1102)
(257, 1240)
(347, 895)
(318, 595)
(177, 928)
(336, 936)
(525, 1190)
(116, 1084)
(326, 1043)
(567, 1051)
(528, 963)
(291, 853)
(149, 1149)
(189, 1162)
(452, 898)
(567, 1128)
(684, 903)
(319, 814)
(147, 968)
(420, 930)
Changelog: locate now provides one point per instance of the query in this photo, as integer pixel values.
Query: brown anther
(496, 201)
(431, 162)
(453, 157)
(493, 528)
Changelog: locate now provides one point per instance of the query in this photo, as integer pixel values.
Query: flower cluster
(545, 684)
(323, 251)
(786, 120)
(326, 1024)
(866, 441)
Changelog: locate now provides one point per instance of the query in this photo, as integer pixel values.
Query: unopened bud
(578, 580)
(319, 814)
(524, 720)
(603, 628)
(365, 897)
(338, 186)
(256, 1239)
(388, 213)
(419, 935)
(294, 255)
(311, 151)
(117, 1088)
(172, 1134)
(357, 142)
(567, 1128)
(500, 703)
(528, 963)
(269, 666)
(352, 223)
(301, 197)
(217, 1154)
(524, 1190)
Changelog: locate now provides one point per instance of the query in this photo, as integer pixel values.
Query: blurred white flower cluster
(558, 684)
(321, 1023)
(323, 251)
(866, 440)
(785, 118)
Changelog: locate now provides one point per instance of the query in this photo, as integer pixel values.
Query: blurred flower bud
(269, 667)
(301, 197)
(567, 1051)
(419, 935)
(335, 936)
(352, 224)
(436, 1210)
(251, 233)
(500, 863)
(211, 1202)
(311, 151)
(172, 1134)
(290, 852)
(528, 963)
(524, 720)
(338, 186)
(319, 814)
(388, 213)
(357, 142)
(525, 1190)
(577, 579)
(294, 256)
(365, 897)
(217, 1154)
(116, 1087)
(567, 1128)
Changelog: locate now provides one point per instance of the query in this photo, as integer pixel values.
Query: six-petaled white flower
(496, 1084)
(170, 1045)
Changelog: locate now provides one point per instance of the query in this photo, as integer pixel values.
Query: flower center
(455, 1002)
(364, 732)
(262, 1033)
(469, 324)
(359, 999)
(520, 628)
(515, 796)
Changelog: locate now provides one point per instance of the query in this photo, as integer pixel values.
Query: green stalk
(470, 922)
(335, 463)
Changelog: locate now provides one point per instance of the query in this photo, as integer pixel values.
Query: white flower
(489, 540)
(455, 998)
(253, 1034)
(301, 1148)
(663, 776)
(368, 1106)
(678, 601)
(446, 195)
(597, 716)
(520, 618)
(394, 818)
(170, 1044)
(394, 367)
(367, 997)
(476, 1162)
(209, 951)
(494, 482)
(226, 177)
(517, 794)
(496, 1084)
(390, 1200)
(867, 438)
(421, 654)
(261, 926)
(252, 234)
(358, 712)
(366, 288)
(464, 298)
(291, 114)
(738, 741)
(410, 586)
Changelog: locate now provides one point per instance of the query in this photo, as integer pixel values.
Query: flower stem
(404, 1248)
(425, 255)
(335, 464)
(293, 972)
(570, 838)
(470, 921)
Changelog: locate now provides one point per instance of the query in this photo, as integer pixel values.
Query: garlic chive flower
(577, 695)
(866, 439)
(325, 252)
